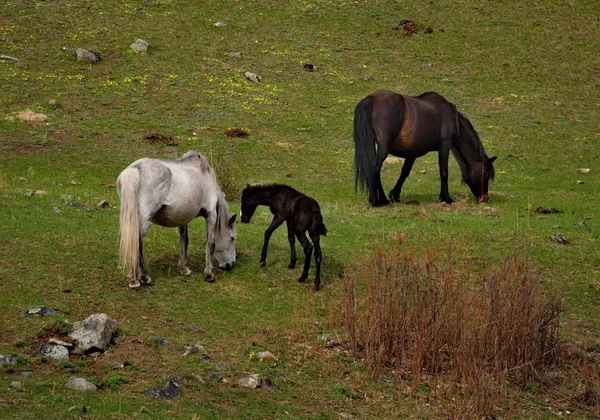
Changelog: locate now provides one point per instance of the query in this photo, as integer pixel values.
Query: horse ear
(232, 220)
(492, 159)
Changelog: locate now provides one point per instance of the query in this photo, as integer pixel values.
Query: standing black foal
(300, 212)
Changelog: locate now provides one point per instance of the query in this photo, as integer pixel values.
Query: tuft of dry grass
(433, 315)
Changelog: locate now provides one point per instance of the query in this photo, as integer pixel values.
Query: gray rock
(559, 238)
(234, 54)
(220, 24)
(25, 374)
(7, 360)
(39, 312)
(250, 381)
(252, 77)
(54, 352)
(94, 333)
(16, 385)
(80, 384)
(268, 356)
(140, 45)
(269, 384)
(86, 55)
(216, 376)
(170, 391)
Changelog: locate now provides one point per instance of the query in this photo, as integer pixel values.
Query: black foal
(300, 212)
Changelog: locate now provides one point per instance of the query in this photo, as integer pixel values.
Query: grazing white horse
(172, 194)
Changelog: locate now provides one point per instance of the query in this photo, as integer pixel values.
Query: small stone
(250, 381)
(205, 358)
(170, 391)
(102, 204)
(252, 77)
(139, 45)
(192, 348)
(310, 67)
(80, 384)
(216, 376)
(267, 355)
(86, 55)
(16, 385)
(584, 170)
(54, 352)
(220, 24)
(25, 374)
(234, 54)
(221, 366)
(559, 238)
(7, 360)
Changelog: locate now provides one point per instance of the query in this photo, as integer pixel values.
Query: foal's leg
(308, 248)
(275, 223)
(316, 238)
(406, 168)
(211, 223)
(183, 245)
(292, 240)
(443, 156)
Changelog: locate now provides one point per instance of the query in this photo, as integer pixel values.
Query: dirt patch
(160, 138)
(547, 210)
(236, 132)
(29, 115)
(409, 28)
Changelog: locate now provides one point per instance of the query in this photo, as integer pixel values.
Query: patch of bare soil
(161, 138)
(29, 115)
(410, 28)
(236, 132)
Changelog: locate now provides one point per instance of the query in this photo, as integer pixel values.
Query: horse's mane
(466, 145)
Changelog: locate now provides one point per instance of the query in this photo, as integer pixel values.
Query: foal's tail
(365, 158)
(129, 222)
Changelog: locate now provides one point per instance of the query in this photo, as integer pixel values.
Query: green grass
(526, 75)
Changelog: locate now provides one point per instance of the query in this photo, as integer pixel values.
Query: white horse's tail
(129, 223)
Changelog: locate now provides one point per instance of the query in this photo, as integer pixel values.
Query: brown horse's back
(412, 126)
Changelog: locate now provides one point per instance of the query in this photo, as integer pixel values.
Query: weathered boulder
(80, 384)
(94, 333)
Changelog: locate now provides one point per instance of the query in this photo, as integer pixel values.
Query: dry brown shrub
(433, 315)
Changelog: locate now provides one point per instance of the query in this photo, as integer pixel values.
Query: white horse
(172, 194)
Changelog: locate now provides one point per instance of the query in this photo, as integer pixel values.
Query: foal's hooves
(394, 198)
(302, 279)
(315, 287)
(185, 271)
(292, 264)
(263, 263)
(209, 278)
(134, 284)
(381, 203)
(146, 281)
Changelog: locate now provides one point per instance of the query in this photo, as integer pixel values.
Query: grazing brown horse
(410, 127)
(301, 214)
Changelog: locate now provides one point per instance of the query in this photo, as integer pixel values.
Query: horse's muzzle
(244, 219)
(227, 267)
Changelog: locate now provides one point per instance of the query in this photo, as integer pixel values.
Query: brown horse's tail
(365, 157)
(129, 222)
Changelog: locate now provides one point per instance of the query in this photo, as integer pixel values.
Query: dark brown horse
(410, 127)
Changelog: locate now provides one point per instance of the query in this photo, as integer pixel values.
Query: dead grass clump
(433, 315)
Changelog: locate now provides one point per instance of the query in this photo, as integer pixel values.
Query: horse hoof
(381, 203)
(302, 279)
(146, 281)
(263, 263)
(292, 265)
(210, 279)
(315, 288)
(185, 271)
(134, 285)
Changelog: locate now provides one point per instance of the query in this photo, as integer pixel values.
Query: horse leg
(183, 245)
(318, 258)
(308, 248)
(380, 198)
(443, 156)
(275, 223)
(211, 224)
(292, 240)
(142, 274)
(406, 168)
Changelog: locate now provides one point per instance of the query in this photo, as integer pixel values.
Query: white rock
(80, 384)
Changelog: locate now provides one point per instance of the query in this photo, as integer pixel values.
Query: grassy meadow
(525, 73)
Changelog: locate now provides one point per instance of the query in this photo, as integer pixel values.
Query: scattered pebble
(43, 311)
(310, 67)
(252, 77)
(16, 385)
(559, 238)
(250, 381)
(220, 24)
(267, 355)
(234, 54)
(139, 45)
(170, 391)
